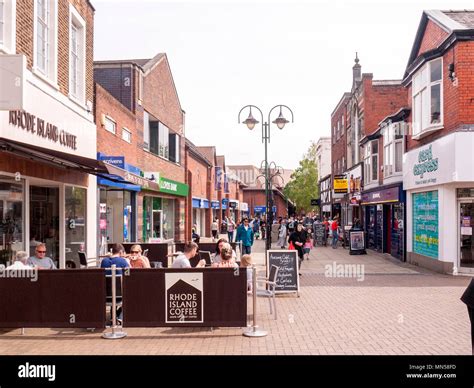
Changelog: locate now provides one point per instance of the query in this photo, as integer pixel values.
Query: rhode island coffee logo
(184, 297)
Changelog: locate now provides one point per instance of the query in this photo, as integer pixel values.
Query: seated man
(182, 261)
(40, 260)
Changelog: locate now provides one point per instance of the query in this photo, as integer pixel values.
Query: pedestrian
(214, 229)
(246, 235)
(335, 234)
(298, 238)
(230, 229)
(282, 234)
(468, 298)
(307, 246)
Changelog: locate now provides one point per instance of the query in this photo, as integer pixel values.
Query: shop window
(11, 219)
(76, 233)
(427, 97)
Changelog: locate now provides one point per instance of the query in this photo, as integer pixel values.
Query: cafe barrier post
(254, 331)
(115, 334)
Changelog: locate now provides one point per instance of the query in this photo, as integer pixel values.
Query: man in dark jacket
(468, 298)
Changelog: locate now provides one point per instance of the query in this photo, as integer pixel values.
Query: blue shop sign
(263, 209)
(215, 204)
(118, 161)
(205, 204)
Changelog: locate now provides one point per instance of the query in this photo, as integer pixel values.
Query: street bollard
(114, 334)
(254, 331)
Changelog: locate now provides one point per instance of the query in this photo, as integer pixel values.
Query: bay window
(371, 162)
(427, 97)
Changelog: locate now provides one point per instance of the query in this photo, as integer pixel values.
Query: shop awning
(53, 157)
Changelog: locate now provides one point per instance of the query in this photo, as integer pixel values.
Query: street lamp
(280, 122)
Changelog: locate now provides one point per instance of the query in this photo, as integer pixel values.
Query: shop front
(117, 203)
(200, 207)
(215, 206)
(439, 180)
(234, 209)
(351, 209)
(164, 211)
(384, 209)
(47, 195)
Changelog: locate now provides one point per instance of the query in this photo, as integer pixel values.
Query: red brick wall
(339, 149)
(199, 171)
(433, 36)
(24, 39)
(257, 198)
(458, 102)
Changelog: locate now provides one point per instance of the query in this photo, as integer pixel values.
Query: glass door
(44, 220)
(466, 243)
(157, 222)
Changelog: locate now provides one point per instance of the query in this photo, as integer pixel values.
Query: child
(246, 261)
(307, 247)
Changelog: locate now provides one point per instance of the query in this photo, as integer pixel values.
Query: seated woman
(136, 258)
(227, 259)
(217, 257)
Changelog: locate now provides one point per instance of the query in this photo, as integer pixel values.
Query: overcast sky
(225, 55)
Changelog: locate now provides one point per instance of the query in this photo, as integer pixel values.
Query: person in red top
(335, 235)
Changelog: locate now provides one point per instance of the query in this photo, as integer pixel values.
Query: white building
(323, 156)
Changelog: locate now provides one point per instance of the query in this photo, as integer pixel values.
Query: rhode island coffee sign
(184, 297)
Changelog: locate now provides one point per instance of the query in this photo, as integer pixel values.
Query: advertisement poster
(184, 297)
(357, 240)
(425, 224)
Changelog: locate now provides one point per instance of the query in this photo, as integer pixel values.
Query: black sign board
(320, 233)
(287, 263)
(357, 242)
(315, 202)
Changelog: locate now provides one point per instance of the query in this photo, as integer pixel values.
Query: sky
(225, 55)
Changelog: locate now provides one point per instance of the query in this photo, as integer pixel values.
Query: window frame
(390, 142)
(368, 159)
(77, 22)
(108, 119)
(8, 27)
(126, 130)
(421, 89)
(50, 73)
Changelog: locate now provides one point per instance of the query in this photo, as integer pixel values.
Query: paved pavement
(397, 309)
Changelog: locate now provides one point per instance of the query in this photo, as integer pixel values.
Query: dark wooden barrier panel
(156, 251)
(59, 298)
(224, 296)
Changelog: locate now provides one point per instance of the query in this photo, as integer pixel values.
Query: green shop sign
(426, 163)
(173, 187)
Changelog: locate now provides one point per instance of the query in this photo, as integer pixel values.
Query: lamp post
(280, 122)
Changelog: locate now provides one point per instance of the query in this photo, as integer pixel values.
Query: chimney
(356, 73)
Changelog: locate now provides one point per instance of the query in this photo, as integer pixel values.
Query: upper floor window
(76, 56)
(159, 140)
(393, 149)
(338, 131)
(126, 135)
(45, 42)
(427, 97)
(110, 125)
(371, 162)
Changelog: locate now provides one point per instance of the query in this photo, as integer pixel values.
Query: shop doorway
(157, 222)
(44, 220)
(466, 241)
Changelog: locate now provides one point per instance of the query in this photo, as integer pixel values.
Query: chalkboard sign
(287, 263)
(320, 233)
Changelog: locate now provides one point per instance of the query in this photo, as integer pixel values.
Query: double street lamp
(280, 122)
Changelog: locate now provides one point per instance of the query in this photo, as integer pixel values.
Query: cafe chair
(145, 253)
(118, 290)
(269, 290)
(206, 255)
(85, 262)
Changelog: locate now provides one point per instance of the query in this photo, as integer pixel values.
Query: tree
(303, 185)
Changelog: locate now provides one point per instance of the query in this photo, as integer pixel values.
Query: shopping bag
(291, 246)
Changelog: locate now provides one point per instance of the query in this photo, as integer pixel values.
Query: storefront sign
(41, 128)
(425, 224)
(116, 161)
(173, 187)
(357, 242)
(381, 196)
(215, 204)
(340, 184)
(426, 162)
(184, 297)
(233, 204)
(466, 221)
(244, 207)
(288, 269)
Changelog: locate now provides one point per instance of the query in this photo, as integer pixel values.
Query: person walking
(230, 229)
(214, 229)
(245, 234)
(298, 238)
(335, 234)
(282, 234)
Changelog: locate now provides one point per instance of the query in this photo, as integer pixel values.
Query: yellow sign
(340, 184)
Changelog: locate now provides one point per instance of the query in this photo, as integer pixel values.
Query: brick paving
(397, 309)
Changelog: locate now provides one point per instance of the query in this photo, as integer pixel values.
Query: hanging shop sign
(340, 184)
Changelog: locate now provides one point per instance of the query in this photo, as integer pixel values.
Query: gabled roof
(450, 21)
(209, 152)
(194, 150)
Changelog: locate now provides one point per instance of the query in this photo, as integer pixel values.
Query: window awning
(74, 162)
